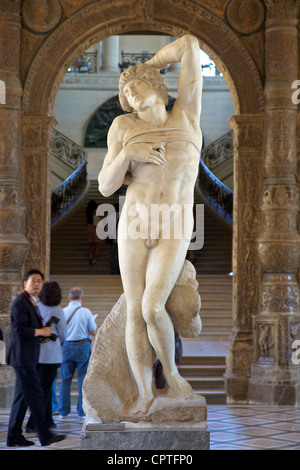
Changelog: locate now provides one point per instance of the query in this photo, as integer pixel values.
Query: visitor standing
(76, 350)
(50, 357)
(27, 331)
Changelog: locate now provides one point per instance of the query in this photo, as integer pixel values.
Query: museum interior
(60, 65)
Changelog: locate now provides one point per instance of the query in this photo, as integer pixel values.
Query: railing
(133, 58)
(86, 63)
(218, 151)
(64, 196)
(219, 196)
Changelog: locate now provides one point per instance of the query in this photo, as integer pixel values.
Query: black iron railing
(133, 58)
(64, 196)
(218, 151)
(86, 63)
(218, 195)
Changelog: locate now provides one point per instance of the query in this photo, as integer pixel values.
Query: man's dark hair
(50, 294)
(33, 271)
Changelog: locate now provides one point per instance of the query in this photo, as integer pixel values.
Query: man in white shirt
(76, 350)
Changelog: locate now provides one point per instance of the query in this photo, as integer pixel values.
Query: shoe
(21, 442)
(55, 438)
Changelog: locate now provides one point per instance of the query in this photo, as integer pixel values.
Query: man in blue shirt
(76, 350)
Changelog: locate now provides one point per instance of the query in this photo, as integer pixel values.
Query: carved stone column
(13, 243)
(37, 136)
(248, 142)
(275, 380)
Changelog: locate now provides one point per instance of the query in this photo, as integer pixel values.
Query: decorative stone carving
(265, 342)
(279, 297)
(245, 16)
(41, 15)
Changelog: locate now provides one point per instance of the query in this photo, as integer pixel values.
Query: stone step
(206, 370)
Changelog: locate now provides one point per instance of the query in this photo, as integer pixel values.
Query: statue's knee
(152, 312)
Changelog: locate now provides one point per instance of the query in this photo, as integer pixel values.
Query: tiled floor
(254, 428)
(231, 428)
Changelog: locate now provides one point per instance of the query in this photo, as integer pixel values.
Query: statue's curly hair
(142, 72)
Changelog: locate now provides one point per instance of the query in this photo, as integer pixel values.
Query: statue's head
(142, 72)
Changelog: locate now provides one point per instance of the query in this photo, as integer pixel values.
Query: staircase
(205, 372)
(69, 249)
(201, 365)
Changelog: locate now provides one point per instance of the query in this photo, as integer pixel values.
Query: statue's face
(140, 94)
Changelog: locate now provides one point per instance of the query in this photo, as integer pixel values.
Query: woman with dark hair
(50, 357)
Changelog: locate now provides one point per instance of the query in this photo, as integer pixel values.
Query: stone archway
(97, 21)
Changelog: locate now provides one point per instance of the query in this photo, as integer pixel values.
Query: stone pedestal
(126, 436)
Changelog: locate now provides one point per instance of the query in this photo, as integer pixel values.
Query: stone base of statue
(145, 436)
(175, 424)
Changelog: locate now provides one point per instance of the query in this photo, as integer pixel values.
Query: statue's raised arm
(185, 50)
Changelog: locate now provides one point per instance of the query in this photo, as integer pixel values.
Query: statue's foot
(179, 387)
(141, 406)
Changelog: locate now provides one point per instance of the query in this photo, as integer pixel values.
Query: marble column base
(274, 386)
(126, 436)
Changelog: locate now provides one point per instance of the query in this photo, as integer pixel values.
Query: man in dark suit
(27, 331)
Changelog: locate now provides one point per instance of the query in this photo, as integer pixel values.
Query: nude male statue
(157, 153)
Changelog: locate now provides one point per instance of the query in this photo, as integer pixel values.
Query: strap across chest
(72, 315)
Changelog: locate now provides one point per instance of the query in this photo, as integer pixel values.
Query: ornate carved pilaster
(37, 134)
(13, 243)
(248, 142)
(275, 380)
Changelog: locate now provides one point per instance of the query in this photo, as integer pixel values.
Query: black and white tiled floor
(231, 428)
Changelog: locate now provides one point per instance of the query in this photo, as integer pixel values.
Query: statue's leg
(133, 256)
(163, 268)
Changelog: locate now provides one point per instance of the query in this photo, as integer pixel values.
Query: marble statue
(156, 153)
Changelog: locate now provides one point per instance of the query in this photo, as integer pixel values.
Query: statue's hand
(146, 153)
